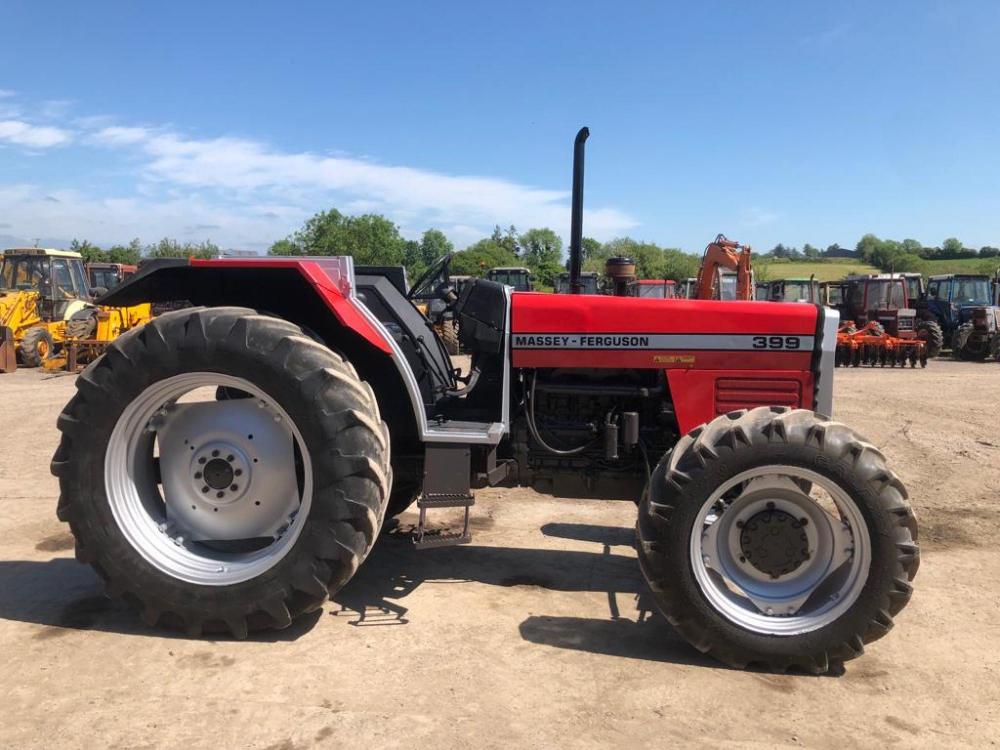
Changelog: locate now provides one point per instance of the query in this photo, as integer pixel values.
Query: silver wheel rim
(193, 524)
(762, 568)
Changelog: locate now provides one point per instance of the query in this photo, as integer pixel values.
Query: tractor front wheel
(36, 347)
(213, 514)
(778, 538)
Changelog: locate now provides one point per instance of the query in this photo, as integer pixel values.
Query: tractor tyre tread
(934, 338)
(449, 336)
(29, 348)
(330, 406)
(712, 453)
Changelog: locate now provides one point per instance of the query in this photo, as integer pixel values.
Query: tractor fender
(316, 294)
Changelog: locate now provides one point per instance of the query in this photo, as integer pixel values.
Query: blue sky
(234, 121)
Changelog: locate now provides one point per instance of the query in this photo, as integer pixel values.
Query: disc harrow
(873, 347)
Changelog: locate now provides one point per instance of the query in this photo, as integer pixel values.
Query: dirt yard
(536, 634)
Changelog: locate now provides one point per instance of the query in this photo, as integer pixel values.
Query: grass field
(832, 270)
(988, 266)
(824, 270)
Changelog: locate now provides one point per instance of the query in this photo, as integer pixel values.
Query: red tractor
(228, 465)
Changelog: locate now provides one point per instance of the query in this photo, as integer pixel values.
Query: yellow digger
(47, 315)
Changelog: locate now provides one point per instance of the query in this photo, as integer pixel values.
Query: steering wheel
(433, 283)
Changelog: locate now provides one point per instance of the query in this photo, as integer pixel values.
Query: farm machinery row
(47, 314)
(896, 319)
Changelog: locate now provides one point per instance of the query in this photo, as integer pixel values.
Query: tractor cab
(792, 290)
(880, 298)
(965, 307)
(514, 276)
(106, 276)
(656, 288)
(56, 276)
(832, 293)
(588, 281)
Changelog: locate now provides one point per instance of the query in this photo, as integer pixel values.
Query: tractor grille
(746, 393)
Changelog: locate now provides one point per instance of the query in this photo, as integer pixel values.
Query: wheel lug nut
(215, 454)
(220, 494)
(804, 521)
(230, 458)
(202, 460)
(197, 475)
(234, 487)
(205, 488)
(238, 472)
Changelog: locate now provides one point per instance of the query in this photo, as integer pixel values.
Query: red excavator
(725, 254)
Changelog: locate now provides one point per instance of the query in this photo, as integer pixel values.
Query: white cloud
(34, 136)
(264, 193)
(120, 136)
(6, 93)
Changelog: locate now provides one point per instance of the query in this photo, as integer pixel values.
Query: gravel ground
(536, 634)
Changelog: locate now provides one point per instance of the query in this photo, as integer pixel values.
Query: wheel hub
(220, 472)
(774, 542)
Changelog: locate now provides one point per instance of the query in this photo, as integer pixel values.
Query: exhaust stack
(576, 216)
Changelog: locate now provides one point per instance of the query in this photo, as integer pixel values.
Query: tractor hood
(555, 330)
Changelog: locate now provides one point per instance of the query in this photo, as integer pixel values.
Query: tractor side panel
(717, 356)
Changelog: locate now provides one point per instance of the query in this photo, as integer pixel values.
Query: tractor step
(427, 538)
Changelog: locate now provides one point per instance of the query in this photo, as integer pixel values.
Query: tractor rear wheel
(779, 538)
(235, 514)
(929, 331)
(36, 347)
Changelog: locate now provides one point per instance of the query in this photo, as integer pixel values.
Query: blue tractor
(965, 307)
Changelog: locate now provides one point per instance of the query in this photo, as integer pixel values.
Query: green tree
(91, 253)
(913, 247)
(589, 246)
(652, 261)
(370, 239)
(812, 253)
(481, 256)
(171, 248)
(541, 251)
(130, 254)
(434, 244)
(506, 238)
(867, 246)
(952, 247)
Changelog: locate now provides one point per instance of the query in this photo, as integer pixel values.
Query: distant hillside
(768, 269)
(963, 265)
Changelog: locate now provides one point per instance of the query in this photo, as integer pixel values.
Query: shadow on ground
(395, 569)
(63, 595)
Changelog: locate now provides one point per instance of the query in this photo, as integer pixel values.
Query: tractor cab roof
(950, 276)
(48, 252)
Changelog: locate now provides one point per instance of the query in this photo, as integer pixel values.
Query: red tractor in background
(879, 327)
(103, 277)
(228, 465)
